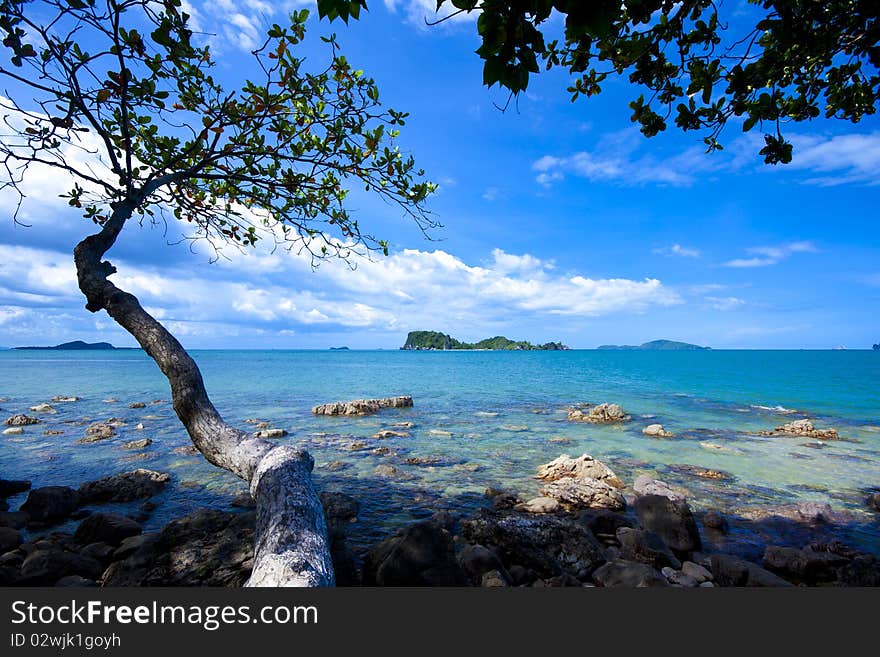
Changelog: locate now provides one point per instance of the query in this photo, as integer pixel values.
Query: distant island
(655, 345)
(338, 348)
(433, 340)
(76, 345)
(877, 347)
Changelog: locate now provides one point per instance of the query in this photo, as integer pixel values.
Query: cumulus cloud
(407, 290)
(764, 256)
(838, 160)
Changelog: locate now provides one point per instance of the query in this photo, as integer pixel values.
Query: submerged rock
(390, 433)
(601, 414)
(582, 466)
(124, 487)
(13, 431)
(362, 406)
(137, 444)
(64, 400)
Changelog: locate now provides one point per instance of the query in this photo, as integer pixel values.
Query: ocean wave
(774, 409)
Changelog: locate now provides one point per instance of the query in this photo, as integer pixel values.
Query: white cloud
(422, 12)
(614, 160)
(725, 303)
(764, 256)
(678, 250)
(839, 160)
(407, 290)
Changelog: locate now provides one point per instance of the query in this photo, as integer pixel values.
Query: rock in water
(50, 504)
(803, 428)
(420, 555)
(582, 466)
(645, 485)
(125, 487)
(539, 505)
(601, 414)
(671, 520)
(43, 408)
(362, 406)
(98, 431)
(21, 420)
(657, 431)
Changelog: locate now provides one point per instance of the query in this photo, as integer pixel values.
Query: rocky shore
(588, 527)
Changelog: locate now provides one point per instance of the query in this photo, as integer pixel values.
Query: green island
(421, 340)
(76, 345)
(656, 345)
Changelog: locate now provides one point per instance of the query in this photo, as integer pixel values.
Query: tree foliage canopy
(126, 81)
(794, 61)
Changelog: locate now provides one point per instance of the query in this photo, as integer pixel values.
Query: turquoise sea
(487, 418)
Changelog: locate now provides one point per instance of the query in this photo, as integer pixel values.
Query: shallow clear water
(490, 417)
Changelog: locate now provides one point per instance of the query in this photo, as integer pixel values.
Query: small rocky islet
(588, 527)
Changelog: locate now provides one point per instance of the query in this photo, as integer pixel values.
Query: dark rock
(50, 504)
(645, 547)
(110, 528)
(420, 555)
(12, 487)
(672, 520)
(521, 576)
(45, 567)
(131, 545)
(14, 519)
(807, 566)
(76, 581)
(716, 521)
(21, 420)
(477, 560)
(874, 502)
(9, 539)
(630, 574)
(603, 523)
(339, 508)
(205, 548)
(98, 551)
(550, 545)
(863, 570)
(244, 501)
(502, 499)
(733, 571)
(124, 487)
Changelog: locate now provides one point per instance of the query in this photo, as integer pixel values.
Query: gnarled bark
(291, 537)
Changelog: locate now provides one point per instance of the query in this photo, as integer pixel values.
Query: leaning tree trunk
(291, 546)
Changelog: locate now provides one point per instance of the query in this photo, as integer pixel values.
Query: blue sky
(561, 222)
